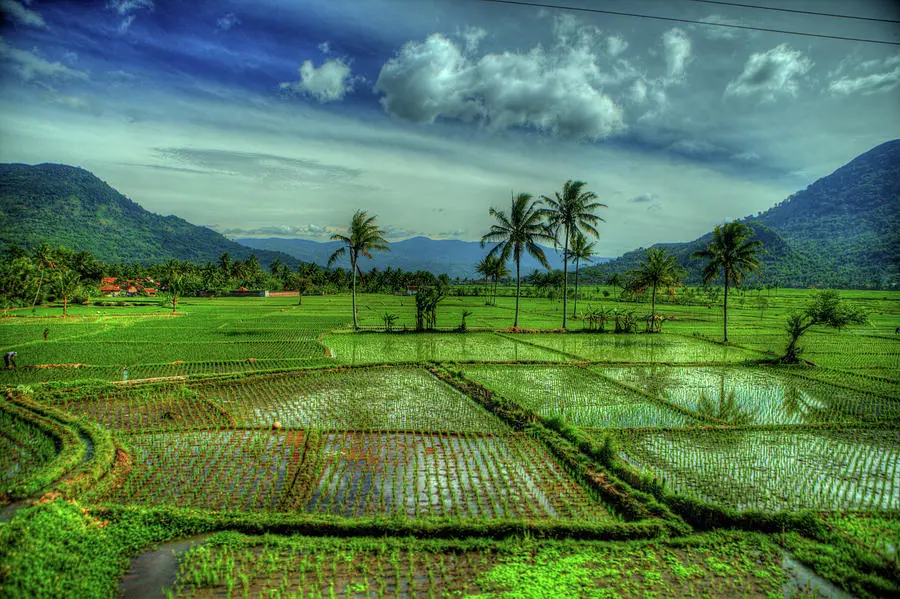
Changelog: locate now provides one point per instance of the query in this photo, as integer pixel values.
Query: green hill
(67, 206)
(843, 230)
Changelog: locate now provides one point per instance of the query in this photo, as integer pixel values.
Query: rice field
(579, 396)
(774, 470)
(757, 395)
(268, 410)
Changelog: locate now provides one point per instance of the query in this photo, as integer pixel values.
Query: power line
(795, 11)
(657, 18)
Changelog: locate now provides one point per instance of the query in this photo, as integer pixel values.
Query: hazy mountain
(67, 206)
(844, 229)
(452, 256)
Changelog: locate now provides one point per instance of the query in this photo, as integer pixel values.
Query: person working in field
(46, 334)
(10, 359)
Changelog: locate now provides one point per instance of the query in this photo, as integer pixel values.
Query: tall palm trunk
(38, 292)
(652, 306)
(65, 305)
(516, 321)
(565, 277)
(353, 294)
(575, 306)
(725, 311)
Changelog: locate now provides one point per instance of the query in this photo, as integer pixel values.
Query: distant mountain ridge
(842, 230)
(68, 206)
(455, 257)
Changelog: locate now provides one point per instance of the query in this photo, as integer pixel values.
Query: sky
(282, 117)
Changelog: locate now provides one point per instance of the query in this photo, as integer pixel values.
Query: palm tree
(732, 252)
(65, 285)
(493, 268)
(568, 214)
(581, 250)
(519, 231)
(44, 258)
(658, 269)
(225, 264)
(362, 237)
(498, 271)
(485, 267)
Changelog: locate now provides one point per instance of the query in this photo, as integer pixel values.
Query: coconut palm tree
(732, 252)
(657, 269)
(581, 251)
(516, 233)
(65, 285)
(363, 236)
(567, 214)
(493, 268)
(44, 258)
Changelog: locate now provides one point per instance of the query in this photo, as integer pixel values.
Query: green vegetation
(449, 461)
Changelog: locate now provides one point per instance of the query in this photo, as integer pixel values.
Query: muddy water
(155, 570)
(802, 581)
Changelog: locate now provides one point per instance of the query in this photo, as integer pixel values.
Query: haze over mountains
(452, 256)
(844, 229)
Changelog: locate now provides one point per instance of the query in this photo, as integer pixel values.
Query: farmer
(10, 359)
(897, 332)
(46, 333)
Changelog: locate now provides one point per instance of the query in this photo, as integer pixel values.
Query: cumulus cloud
(678, 51)
(639, 91)
(867, 84)
(324, 47)
(128, 9)
(327, 83)
(557, 92)
(615, 45)
(472, 37)
(771, 73)
(31, 67)
(21, 14)
(227, 22)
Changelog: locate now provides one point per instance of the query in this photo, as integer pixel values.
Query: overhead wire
(796, 11)
(692, 21)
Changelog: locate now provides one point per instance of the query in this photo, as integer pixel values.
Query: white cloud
(639, 91)
(226, 22)
(555, 92)
(21, 14)
(771, 73)
(678, 51)
(714, 31)
(472, 36)
(615, 45)
(327, 83)
(127, 9)
(324, 47)
(868, 84)
(32, 67)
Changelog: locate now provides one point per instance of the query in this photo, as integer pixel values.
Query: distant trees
(657, 270)
(826, 309)
(732, 252)
(516, 233)
(567, 214)
(363, 237)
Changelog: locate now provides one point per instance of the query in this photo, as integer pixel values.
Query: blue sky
(280, 118)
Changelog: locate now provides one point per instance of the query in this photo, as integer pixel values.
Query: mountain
(68, 206)
(452, 256)
(843, 230)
